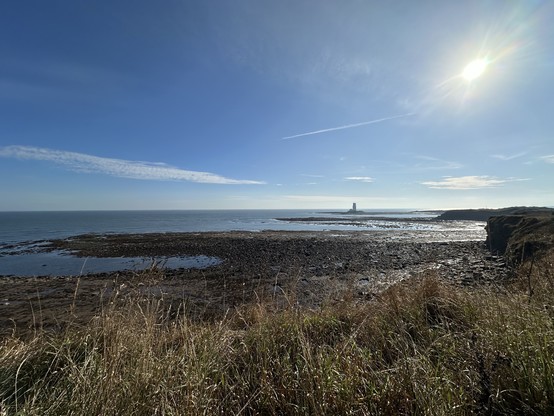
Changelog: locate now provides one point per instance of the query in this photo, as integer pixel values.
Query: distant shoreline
(483, 214)
(358, 218)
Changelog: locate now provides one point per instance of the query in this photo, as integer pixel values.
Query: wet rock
(314, 267)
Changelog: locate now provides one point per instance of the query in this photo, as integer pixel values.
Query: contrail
(348, 126)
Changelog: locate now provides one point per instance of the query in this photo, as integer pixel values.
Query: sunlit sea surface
(21, 233)
(33, 226)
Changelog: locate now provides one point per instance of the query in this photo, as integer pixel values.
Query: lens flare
(474, 69)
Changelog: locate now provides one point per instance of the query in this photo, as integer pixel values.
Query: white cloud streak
(347, 126)
(307, 175)
(468, 182)
(548, 158)
(365, 179)
(117, 167)
(509, 157)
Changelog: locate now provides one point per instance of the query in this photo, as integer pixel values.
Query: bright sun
(474, 69)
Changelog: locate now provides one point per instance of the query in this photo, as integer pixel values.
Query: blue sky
(207, 105)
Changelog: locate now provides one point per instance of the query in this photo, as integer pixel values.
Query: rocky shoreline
(306, 268)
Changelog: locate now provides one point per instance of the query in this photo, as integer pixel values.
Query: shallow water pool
(63, 264)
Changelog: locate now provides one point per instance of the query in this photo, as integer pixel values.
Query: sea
(18, 227)
(23, 234)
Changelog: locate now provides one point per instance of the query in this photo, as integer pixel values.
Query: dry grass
(423, 348)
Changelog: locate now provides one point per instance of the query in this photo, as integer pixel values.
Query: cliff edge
(521, 236)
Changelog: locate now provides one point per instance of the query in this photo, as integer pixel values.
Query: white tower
(354, 207)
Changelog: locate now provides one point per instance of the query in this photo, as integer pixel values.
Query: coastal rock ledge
(522, 235)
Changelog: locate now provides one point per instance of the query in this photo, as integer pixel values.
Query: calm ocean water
(16, 227)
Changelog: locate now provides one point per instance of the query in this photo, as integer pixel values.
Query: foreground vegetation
(424, 348)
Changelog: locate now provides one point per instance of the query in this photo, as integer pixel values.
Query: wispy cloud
(468, 182)
(117, 167)
(307, 175)
(348, 126)
(366, 179)
(509, 157)
(548, 158)
(57, 80)
(432, 163)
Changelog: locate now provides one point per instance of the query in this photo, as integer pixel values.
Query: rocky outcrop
(499, 230)
(484, 214)
(520, 237)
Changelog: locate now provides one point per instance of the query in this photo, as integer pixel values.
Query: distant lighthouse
(354, 210)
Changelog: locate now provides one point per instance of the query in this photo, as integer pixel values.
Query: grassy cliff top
(483, 214)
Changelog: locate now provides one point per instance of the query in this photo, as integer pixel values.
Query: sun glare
(474, 69)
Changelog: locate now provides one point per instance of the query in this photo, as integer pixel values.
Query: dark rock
(499, 231)
(519, 237)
